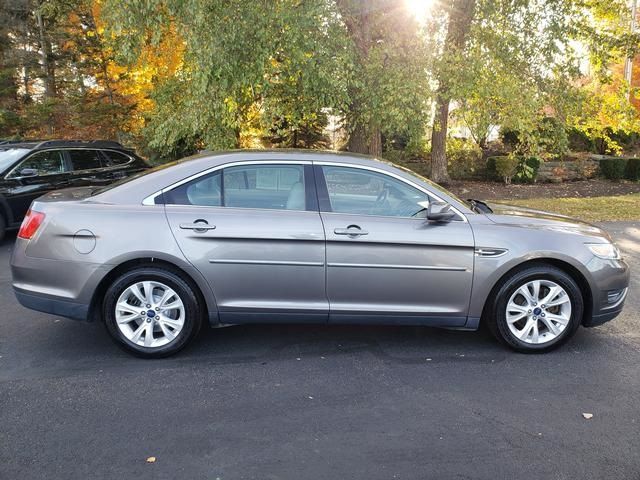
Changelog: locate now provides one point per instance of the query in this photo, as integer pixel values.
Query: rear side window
(115, 158)
(47, 162)
(204, 191)
(275, 187)
(85, 159)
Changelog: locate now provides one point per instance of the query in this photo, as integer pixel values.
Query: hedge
(613, 168)
(632, 171)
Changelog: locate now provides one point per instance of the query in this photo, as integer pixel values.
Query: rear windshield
(9, 156)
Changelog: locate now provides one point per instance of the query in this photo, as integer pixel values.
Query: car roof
(42, 144)
(149, 183)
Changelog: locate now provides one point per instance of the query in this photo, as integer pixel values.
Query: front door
(255, 233)
(47, 172)
(386, 264)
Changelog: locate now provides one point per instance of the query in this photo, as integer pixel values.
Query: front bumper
(54, 306)
(608, 312)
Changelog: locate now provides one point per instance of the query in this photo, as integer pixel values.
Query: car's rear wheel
(536, 309)
(151, 312)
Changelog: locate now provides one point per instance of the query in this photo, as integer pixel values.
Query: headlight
(607, 251)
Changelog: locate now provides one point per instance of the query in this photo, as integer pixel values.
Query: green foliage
(463, 157)
(506, 167)
(525, 168)
(632, 171)
(613, 168)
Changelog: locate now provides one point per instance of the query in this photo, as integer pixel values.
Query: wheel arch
(563, 265)
(210, 311)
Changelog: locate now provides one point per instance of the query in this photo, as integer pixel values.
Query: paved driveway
(294, 402)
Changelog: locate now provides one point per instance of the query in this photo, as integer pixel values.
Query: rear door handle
(199, 226)
(351, 231)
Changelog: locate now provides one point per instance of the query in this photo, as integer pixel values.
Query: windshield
(9, 156)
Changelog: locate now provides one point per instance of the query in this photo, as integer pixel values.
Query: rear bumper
(52, 305)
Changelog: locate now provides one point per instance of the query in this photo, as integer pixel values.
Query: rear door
(87, 167)
(254, 231)
(385, 262)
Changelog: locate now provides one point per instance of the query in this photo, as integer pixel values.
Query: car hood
(531, 218)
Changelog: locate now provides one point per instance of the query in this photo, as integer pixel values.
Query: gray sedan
(300, 236)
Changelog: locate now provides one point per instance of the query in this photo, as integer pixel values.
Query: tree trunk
(366, 139)
(460, 18)
(439, 171)
(47, 65)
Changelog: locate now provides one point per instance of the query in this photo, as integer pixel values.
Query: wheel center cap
(537, 311)
(151, 313)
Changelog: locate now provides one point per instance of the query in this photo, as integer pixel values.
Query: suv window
(253, 186)
(362, 192)
(85, 159)
(47, 162)
(115, 158)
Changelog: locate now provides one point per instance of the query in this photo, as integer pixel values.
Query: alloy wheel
(538, 312)
(150, 314)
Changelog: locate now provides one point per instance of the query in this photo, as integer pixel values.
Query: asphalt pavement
(318, 402)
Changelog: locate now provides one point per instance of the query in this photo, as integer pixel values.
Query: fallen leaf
(588, 416)
(151, 459)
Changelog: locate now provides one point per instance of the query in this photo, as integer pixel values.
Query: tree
(388, 85)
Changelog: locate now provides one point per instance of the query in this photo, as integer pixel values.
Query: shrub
(633, 169)
(463, 158)
(506, 167)
(526, 169)
(613, 168)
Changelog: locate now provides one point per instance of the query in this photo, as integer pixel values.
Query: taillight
(30, 224)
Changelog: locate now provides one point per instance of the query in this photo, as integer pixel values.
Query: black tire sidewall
(179, 285)
(500, 327)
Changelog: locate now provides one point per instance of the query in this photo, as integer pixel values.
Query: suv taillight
(30, 224)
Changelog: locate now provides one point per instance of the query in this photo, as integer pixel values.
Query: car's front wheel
(536, 309)
(151, 312)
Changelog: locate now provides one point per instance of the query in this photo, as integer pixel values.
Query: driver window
(362, 192)
(47, 162)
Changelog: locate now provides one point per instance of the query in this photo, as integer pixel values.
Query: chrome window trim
(151, 199)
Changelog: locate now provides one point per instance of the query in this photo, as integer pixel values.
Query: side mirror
(28, 172)
(440, 212)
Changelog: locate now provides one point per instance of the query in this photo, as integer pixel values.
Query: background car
(308, 237)
(30, 169)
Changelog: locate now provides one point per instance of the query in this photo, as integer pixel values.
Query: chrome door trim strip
(151, 199)
(392, 266)
(268, 262)
(490, 252)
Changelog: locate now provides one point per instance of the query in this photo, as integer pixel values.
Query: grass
(590, 209)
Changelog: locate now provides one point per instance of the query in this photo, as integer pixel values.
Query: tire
(550, 330)
(151, 332)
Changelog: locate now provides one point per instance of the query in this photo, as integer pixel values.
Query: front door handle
(351, 230)
(199, 226)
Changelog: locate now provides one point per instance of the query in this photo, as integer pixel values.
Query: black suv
(33, 168)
